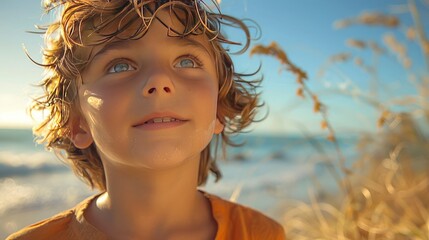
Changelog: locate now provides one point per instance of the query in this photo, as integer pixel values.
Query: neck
(151, 202)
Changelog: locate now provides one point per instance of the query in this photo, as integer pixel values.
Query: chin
(165, 157)
(166, 153)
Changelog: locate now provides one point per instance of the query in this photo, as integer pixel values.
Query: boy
(135, 91)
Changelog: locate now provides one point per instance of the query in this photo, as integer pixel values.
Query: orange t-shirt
(234, 221)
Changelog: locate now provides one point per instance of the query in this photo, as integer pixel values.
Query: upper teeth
(164, 119)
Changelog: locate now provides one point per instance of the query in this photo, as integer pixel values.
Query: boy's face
(130, 86)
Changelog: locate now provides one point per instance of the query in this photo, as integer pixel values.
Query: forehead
(178, 22)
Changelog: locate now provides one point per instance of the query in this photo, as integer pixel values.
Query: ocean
(265, 173)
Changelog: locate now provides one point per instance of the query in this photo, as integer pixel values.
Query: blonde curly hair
(65, 38)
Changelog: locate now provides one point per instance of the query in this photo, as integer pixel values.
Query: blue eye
(121, 67)
(188, 62)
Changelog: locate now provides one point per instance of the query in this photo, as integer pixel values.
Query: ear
(80, 133)
(218, 126)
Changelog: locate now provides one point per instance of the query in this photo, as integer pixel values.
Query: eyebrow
(184, 41)
(111, 46)
(124, 44)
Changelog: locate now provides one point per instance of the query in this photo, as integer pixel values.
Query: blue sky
(303, 28)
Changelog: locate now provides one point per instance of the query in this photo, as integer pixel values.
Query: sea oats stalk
(387, 189)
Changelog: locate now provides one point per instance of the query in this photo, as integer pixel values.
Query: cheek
(102, 107)
(105, 112)
(205, 100)
(206, 109)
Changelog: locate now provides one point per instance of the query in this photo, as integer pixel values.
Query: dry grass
(369, 19)
(389, 196)
(385, 195)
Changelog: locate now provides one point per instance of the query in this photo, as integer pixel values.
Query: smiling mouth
(159, 123)
(162, 120)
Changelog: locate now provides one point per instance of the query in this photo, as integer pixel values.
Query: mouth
(160, 120)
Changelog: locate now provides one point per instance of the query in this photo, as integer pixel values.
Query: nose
(158, 83)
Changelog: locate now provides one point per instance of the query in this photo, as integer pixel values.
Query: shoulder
(234, 218)
(50, 227)
(59, 226)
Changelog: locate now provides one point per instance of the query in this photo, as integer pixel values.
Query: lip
(142, 123)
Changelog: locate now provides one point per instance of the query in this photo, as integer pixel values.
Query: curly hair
(67, 36)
